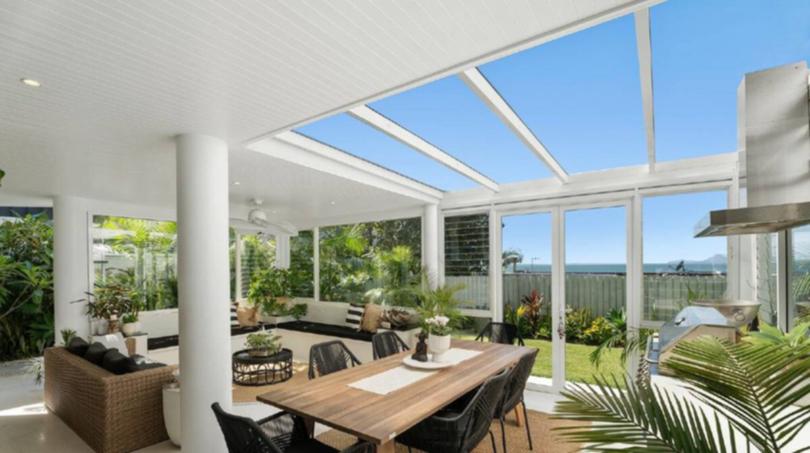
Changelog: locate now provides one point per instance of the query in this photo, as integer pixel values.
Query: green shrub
(600, 331)
(577, 321)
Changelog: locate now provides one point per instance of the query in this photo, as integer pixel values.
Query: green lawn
(578, 365)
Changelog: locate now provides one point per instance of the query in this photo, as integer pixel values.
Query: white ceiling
(120, 78)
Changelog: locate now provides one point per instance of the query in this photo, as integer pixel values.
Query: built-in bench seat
(329, 330)
(173, 340)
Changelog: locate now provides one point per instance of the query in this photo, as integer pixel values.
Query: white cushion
(354, 316)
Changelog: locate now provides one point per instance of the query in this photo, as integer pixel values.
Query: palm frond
(757, 384)
(648, 419)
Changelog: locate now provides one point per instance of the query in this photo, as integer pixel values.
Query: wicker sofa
(112, 413)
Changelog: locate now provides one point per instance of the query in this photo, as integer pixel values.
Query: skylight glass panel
(449, 115)
(580, 95)
(356, 138)
(701, 50)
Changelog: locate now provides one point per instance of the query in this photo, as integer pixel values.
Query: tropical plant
(298, 311)
(26, 286)
(533, 303)
(67, 335)
(398, 273)
(511, 257)
(753, 387)
(576, 322)
(517, 316)
(266, 287)
(441, 301)
(110, 300)
(129, 318)
(263, 341)
(611, 332)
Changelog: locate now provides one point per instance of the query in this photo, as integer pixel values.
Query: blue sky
(580, 96)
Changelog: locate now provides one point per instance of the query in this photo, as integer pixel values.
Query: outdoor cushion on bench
(329, 330)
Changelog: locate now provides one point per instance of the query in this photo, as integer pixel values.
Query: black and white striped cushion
(234, 319)
(354, 315)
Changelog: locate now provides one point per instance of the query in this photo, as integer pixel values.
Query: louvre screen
(466, 258)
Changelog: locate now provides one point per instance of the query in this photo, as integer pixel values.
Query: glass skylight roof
(701, 50)
(580, 95)
(355, 137)
(449, 115)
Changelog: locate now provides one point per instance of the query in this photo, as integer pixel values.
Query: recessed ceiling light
(332, 203)
(30, 82)
(274, 212)
(236, 183)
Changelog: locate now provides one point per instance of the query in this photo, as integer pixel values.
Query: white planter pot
(99, 326)
(276, 319)
(171, 411)
(438, 345)
(131, 328)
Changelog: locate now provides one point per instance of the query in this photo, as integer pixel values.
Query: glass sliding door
(526, 269)
(595, 291)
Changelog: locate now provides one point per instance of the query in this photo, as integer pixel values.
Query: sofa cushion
(372, 317)
(139, 363)
(78, 346)
(95, 353)
(115, 362)
(354, 316)
(328, 330)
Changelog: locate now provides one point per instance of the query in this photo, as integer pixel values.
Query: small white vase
(438, 345)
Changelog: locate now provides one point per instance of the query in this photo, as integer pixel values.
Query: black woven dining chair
(449, 431)
(279, 433)
(329, 357)
(513, 395)
(500, 332)
(387, 343)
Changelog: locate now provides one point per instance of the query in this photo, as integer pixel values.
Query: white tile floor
(26, 426)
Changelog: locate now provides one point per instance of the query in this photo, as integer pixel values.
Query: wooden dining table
(379, 419)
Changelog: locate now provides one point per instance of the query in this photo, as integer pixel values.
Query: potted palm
(439, 311)
(130, 324)
(263, 344)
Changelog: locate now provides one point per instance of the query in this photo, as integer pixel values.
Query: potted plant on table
(269, 292)
(438, 336)
(263, 344)
(439, 311)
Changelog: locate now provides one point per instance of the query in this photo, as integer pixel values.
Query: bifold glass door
(527, 283)
(595, 292)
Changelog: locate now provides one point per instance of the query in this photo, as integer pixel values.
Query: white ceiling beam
(386, 125)
(644, 46)
(301, 150)
(481, 86)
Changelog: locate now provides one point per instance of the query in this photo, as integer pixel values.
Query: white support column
(70, 265)
(283, 251)
(237, 265)
(430, 243)
(203, 283)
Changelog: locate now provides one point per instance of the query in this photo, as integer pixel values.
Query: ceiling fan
(257, 222)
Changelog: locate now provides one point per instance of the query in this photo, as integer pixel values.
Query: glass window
(701, 50)
(526, 284)
(449, 115)
(580, 95)
(358, 261)
(356, 138)
(799, 276)
(677, 266)
(258, 252)
(138, 253)
(302, 265)
(466, 258)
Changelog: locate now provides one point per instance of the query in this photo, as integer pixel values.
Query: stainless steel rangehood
(774, 130)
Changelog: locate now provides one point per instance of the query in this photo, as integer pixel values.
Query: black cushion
(115, 362)
(77, 346)
(329, 330)
(139, 363)
(95, 353)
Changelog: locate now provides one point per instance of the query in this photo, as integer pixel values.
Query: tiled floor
(27, 427)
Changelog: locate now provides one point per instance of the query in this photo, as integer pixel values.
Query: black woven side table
(251, 370)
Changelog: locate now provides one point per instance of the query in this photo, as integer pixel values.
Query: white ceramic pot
(131, 328)
(100, 327)
(171, 411)
(438, 345)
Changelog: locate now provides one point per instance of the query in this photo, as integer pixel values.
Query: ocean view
(659, 268)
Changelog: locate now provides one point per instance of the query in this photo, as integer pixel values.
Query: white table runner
(402, 376)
